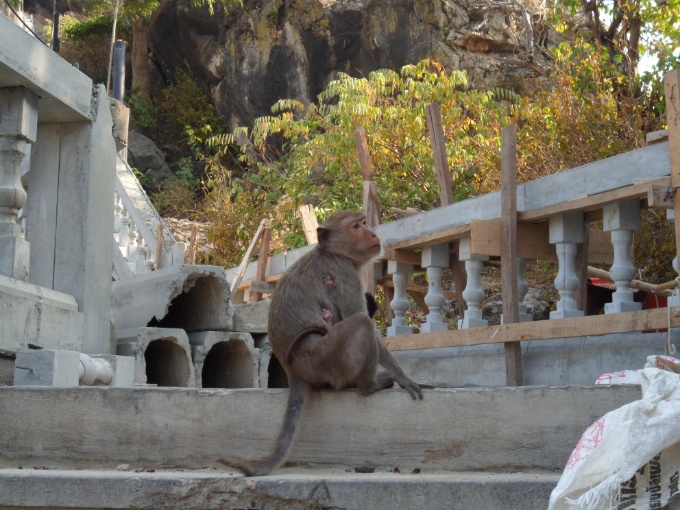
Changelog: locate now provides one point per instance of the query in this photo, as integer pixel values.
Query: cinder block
(225, 359)
(162, 356)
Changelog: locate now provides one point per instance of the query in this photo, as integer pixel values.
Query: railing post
(400, 303)
(435, 259)
(18, 125)
(566, 231)
(473, 293)
(621, 219)
(672, 93)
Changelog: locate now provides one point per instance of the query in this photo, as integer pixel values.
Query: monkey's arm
(386, 359)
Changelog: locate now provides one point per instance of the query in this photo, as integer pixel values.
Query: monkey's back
(303, 293)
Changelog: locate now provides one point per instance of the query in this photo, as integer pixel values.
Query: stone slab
(30, 314)
(208, 489)
(465, 429)
(251, 317)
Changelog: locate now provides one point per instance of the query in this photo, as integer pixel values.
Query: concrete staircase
(151, 448)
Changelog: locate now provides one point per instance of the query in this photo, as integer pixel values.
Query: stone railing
(57, 171)
(136, 225)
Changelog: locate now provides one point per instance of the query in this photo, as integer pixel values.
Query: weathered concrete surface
(472, 429)
(193, 298)
(251, 317)
(39, 316)
(546, 362)
(208, 489)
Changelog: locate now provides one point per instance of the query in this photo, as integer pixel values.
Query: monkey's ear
(323, 235)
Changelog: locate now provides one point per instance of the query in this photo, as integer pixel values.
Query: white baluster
(435, 259)
(473, 293)
(124, 233)
(566, 231)
(621, 219)
(18, 125)
(117, 215)
(400, 304)
(140, 260)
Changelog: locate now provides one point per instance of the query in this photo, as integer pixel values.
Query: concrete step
(474, 447)
(301, 490)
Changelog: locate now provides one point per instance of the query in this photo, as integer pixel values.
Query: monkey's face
(362, 243)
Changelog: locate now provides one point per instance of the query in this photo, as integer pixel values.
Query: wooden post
(441, 165)
(159, 247)
(264, 255)
(672, 90)
(190, 257)
(513, 350)
(309, 223)
(246, 257)
(371, 205)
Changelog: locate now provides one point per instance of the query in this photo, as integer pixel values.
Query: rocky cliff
(292, 48)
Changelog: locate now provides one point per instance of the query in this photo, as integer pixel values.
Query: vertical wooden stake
(309, 223)
(246, 257)
(370, 198)
(190, 257)
(441, 164)
(159, 246)
(264, 255)
(513, 350)
(672, 90)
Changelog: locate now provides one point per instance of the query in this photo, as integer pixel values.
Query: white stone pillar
(566, 231)
(522, 289)
(473, 293)
(18, 125)
(400, 304)
(622, 219)
(435, 259)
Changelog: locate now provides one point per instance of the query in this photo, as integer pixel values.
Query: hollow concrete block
(162, 356)
(225, 359)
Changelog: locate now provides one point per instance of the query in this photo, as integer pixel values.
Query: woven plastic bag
(630, 458)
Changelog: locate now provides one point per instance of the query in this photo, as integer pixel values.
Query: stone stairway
(151, 448)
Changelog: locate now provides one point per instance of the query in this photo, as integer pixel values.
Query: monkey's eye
(357, 225)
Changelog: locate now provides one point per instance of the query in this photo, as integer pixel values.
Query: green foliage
(307, 153)
(75, 29)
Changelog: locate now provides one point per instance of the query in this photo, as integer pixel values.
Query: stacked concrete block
(45, 367)
(224, 359)
(162, 356)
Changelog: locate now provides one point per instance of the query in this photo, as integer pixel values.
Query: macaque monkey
(320, 329)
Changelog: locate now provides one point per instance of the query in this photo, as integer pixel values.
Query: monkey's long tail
(298, 395)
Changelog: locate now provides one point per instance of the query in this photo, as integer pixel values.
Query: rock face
(292, 48)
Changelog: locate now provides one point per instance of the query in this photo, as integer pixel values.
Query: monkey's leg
(387, 360)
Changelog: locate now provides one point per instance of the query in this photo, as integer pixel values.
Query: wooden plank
(190, 256)
(441, 165)
(405, 256)
(309, 223)
(371, 205)
(444, 235)
(159, 247)
(514, 375)
(262, 259)
(594, 325)
(592, 202)
(247, 255)
(660, 197)
(672, 90)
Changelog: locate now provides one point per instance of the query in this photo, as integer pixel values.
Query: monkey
(320, 329)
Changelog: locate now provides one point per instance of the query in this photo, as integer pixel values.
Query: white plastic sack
(630, 458)
(634, 376)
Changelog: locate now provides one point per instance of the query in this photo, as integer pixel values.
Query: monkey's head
(347, 233)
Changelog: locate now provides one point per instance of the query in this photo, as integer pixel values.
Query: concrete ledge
(210, 490)
(471, 429)
(40, 316)
(193, 298)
